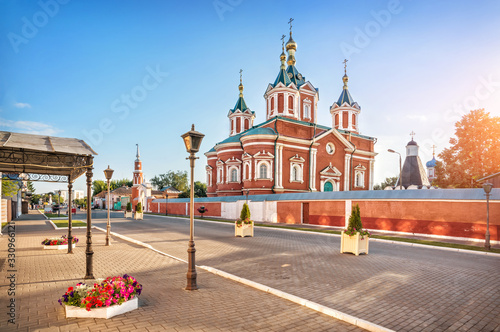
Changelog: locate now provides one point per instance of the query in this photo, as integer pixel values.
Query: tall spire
(138, 155)
(345, 79)
(291, 46)
(283, 55)
(240, 87)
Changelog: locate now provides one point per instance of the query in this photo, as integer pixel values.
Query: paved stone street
(42, 276)
(398, 287)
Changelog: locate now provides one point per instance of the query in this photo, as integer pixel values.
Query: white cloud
(22, 105)
(29, 127)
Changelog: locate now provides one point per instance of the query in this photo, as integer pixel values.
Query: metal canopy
(44, 158)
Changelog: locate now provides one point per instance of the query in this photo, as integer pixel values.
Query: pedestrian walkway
(42, 276)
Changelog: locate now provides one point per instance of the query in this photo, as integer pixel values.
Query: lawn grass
(74, 223)
(55, 215)
(382, 237)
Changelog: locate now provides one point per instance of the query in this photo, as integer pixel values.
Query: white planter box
(138, 215)
(354, 244)
(106, 312)
(58, 247)
(244, 230)
(128, 214)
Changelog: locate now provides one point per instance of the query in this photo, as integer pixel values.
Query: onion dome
(431, 163)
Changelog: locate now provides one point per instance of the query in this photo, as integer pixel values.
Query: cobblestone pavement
(42, 276)
(398, 287)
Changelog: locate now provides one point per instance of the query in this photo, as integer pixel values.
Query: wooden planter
(138, 215)
(106, 312)
(59, 247)
(128, 214)
(244, 230)
(354, 244)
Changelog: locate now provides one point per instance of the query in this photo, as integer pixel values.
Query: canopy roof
(44, 158)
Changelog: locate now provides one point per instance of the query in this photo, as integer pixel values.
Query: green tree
(200, 190)
(387, 182)
(9, 188)
(474, 152)
(30, 186)
(178, 180)
(118, 183)
(245, 212)
(98, 186)
(355, 220)
(35, 198)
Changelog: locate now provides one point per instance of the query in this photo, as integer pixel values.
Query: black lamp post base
(191, 274)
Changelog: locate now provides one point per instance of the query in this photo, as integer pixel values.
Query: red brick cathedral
(290, 152)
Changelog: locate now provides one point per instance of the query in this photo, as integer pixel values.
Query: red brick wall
(327, 213)
(289, 212)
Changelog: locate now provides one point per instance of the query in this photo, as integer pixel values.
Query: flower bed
(58, 242)
(115, 295)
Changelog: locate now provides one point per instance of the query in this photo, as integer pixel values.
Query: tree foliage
(178, 180)
(200, 190)
(30, 186)
(9, 188)
(98, 186)
(101, 185)
(474, 152)
(387, 182)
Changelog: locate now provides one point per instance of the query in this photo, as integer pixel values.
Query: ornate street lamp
(108, 172)
(487, 189)
(400, 179)
(192, 141)
(246, 195)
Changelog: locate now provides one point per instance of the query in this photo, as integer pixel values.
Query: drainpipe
(350, 173)
(310, 157)
(275, 153)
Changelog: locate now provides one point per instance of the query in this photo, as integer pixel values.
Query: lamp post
(192, 141)
(108, 172)
(487, 189)
(400, 179)
(59, 204)
(166, 202)
(246, 195)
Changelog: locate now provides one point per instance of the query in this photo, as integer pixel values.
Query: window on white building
(359, 179)
(307, 112)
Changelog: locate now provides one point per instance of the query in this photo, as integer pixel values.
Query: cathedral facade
(290, 152)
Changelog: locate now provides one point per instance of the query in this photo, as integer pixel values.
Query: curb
(298, 300)
(418, 245)
(55, 226)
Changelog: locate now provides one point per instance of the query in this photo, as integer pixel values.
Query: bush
(245, 212)
(138, 207)
(129, 206)
(355, 225)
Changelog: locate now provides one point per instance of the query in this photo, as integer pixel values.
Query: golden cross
(241, 71)
(290, 22)
(412, 134)
(283, 41)
(345, 66)
(433, 150)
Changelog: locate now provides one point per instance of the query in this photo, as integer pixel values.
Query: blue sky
(117, 73)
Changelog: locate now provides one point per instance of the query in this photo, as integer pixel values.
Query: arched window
(328, 186)
(290, 102)
(295, 174)
(307, 111)
(234, 175)
(263, 171)
(359, 180)
(247, 125)
(272, 104)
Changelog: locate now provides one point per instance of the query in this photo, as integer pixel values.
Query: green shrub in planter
(129, 206)
(138, 207)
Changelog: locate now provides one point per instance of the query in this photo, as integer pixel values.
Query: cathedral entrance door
(328, 186)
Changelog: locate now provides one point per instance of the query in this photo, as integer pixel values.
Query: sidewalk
(219, 305)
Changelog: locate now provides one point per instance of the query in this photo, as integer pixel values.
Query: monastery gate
(438, 212)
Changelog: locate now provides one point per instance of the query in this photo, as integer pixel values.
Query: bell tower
(345, 111)
(240, 117)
